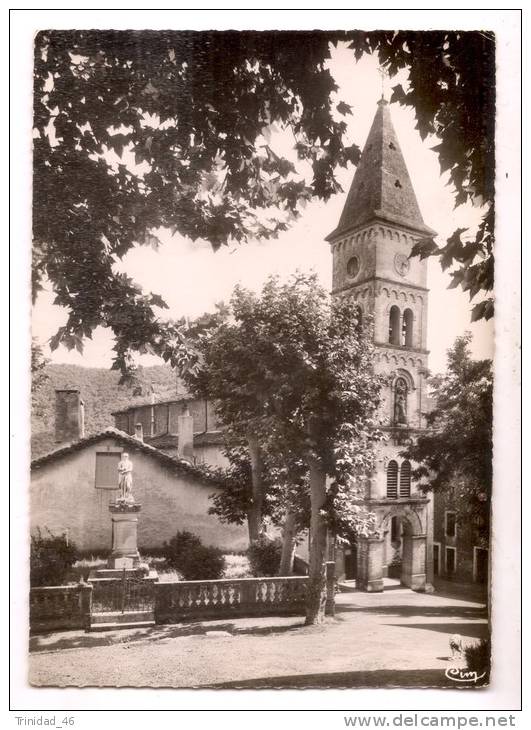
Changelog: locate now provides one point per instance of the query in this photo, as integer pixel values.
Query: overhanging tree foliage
(456, 453)
(293, 371)
(38, 366)
(137, 130)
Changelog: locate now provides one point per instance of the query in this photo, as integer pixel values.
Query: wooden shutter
(107, 470)
(405, 479)
(392, 479)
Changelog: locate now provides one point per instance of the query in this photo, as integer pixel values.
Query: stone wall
(53, 608)
(64, 498)
(466, 538)
(376, 247)
(165, 416)
(210, 454)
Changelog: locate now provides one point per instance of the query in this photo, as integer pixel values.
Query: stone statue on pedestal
(125, 480)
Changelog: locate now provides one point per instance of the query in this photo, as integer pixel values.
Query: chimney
(185, 432)
(69, 416)
(139, 432)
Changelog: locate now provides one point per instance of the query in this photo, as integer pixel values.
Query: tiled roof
(176, 399)
(381, 188)
(209, 438)
(178, 465)
(162, 441)
(170, 441)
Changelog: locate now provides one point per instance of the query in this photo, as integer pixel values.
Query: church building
(380, 223)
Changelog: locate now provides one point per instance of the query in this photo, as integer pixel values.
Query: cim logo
(463, 675)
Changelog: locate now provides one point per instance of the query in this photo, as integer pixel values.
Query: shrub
(186, 553)
(264, 556)
(478, 658)
(236, 566)
(51, 559)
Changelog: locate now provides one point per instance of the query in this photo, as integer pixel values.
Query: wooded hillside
(101, 394)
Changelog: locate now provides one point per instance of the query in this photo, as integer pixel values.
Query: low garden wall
(69, 607)
(226, 598)
(53, 608)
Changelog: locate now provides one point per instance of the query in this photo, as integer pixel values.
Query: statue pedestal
(124, 516)
(124, 556)
(123, 593)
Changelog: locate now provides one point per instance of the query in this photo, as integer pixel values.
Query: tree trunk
(289, 533)
(252, 526)
(254, 515)
(316, 598)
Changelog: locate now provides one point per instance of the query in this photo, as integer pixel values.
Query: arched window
(407, 328)
(405, 479)
(394, 325)
(392, 479)
(400, 406)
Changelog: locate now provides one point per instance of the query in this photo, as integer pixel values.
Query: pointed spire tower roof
(381, 189)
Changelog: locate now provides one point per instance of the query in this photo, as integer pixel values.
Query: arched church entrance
(397, 551)
(404, 553)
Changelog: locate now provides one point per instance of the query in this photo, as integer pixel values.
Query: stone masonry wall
(64, 498)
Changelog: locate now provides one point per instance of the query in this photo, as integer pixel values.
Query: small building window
(450, 560)
(398, 184)
(407, 328)
(107, 470)
(450, 524)
(394, 325)
(392, 479)
(405, 479)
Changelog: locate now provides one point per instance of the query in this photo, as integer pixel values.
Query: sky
(191, 277)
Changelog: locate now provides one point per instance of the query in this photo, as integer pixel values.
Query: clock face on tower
(353, 266)
(401, 264)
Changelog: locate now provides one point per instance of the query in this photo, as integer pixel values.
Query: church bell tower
(380, 223)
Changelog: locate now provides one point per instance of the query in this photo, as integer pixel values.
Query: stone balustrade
(53, 608)
(185, 600)
(69, 607)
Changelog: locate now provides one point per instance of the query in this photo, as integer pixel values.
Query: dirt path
(395, 638)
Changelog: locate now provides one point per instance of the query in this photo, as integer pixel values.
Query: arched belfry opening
(394, 325)
(407, 328)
